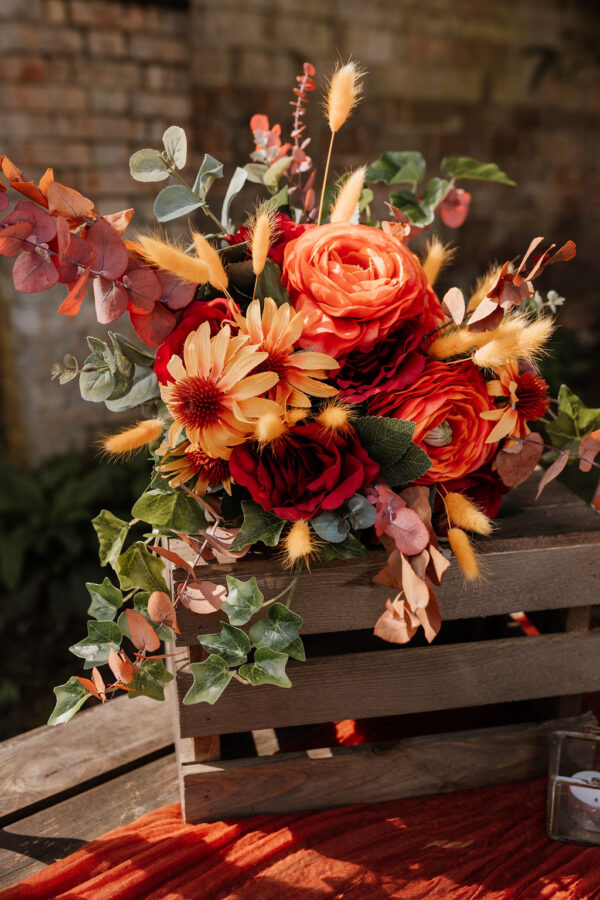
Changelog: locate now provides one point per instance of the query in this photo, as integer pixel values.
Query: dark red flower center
(532, 396)
(196, 402)
(215, 470)
(273, 363)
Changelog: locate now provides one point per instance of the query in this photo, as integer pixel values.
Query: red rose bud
(211, 311)
(305, 472)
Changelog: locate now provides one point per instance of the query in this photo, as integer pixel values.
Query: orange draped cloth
(470, 845)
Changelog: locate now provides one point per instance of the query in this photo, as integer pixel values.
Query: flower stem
(325, 178)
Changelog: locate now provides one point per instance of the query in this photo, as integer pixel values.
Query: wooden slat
(413, 767)
(32, 843)
(47, 761)
(404, 680)
(341, 597)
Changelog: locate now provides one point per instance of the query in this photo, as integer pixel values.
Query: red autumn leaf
(202, 597)
(454, 207)
(175, 558)
(13, 238)
(143, 635)
(553, 471)
(153, 328)
(43, 225)
(121, 667)
(111, 300)
(73, 252)
(110, 254)
(34, 271)
(589, 448)
(516, 463)
(64, 201)
(89, 686)
(415, 589)
(120, 220)
(20, 182)
(454, 305)
(176, 294)
(144, 289)
(162, 611)
(77, 289)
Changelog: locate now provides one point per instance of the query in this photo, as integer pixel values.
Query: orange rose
(354, 285)
(445, 402)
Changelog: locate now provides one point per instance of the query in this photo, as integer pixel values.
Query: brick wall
(83, 83)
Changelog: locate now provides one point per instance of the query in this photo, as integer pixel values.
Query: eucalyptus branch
(203, 204)
(521, 440)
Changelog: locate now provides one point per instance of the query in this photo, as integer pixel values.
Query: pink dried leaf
(454, 305)
(110, 253)
(517, 462)
(202, 597)
(589, 448)
(417, 592)
(111, 300)
(553, 471)
(34, 271)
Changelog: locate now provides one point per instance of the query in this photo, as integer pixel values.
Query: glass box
(573, 811)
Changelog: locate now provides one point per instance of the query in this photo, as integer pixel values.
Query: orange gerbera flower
(186, 462)
(275, 331)
(214, 398)
(525, 399)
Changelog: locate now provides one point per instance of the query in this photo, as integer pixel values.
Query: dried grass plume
(207, 253)
(437, 257)
(260, 237)
(465, 554)
(348, 196)
(133, 438)
(343, 93)
(463, 513)
(169, 256)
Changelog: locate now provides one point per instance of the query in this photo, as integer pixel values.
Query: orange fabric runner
(470, 845)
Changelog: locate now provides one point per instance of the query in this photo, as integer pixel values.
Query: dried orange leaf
(64, 201)
(553, 471)
(203, 597)
(120, 220)
(143, 635)
(430, 618)
(417, 592)
(99, 682)
(89, 686)
(516, 463)
(589, 448)
(162, 611)
(175, 558)
(437, 565)
(121, 667)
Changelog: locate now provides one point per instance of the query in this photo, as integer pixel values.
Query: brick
(107, 43)
(175, 106)
(62, 40)
(105, 100)
(151, 48)
(46, 97)
(166, 78)
(18, 35)
(33, 10)
(24, 69)
(213, 68)
(55, 11)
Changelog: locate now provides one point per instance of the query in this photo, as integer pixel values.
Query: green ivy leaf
(269, 284)
(385, 440)
(244, 599)
(111, 532)
(348, 549)
(268, 668)
(397, 167)
(231, 644)
(150, 680)
(106, 600)
(421, 212)
(465, 167)
(411, 466)
(295, 650)
(170, 510)
(258, 525)
(138, 568)
(574, 419)
(278, 631)
(102, 638)
(175, 144)
(175, 201)
(209, 171)
(331, 527)
(69, 698)
(148, 165)
(211, 677)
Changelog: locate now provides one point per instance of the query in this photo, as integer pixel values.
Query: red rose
(445, 402)
(286, 230)
(354, 285)
(211, 311)
(392, 366)
(306, 471)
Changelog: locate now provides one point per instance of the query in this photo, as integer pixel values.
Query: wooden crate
(545, 558)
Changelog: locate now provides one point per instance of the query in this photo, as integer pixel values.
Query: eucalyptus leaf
(361, 514)
(231, 644)
(170, 510)
(143, 387)
(237, 182)
(95, 648)
(106, 600)
(278, 631)
(268, 668)
(111, 532)
(133, 350)
(465, 167)
(138, 568)
(69, 698)
(148, 165)
(209, 171)
(277, 201)
(244, 599)
(98, 382)
(211, 677)
(150, 680)
(258, 525)
(331, 527)
(255, 172)
(275, 171)
(175, 143)
(175, 201)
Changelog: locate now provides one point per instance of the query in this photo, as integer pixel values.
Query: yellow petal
(504, 427)
(254, 385)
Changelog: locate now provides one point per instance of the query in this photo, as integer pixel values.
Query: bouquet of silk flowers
(300, 388)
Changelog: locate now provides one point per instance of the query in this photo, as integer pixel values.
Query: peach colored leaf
(420, 562)
(143, 635)
(64, 201)
(397, 625)
(408, 531)
(45, 181)
(121, 667)
(391, 574)
(516, 463)
(89, 686)
(430, 618)
(220, 539)
(202, 597)
(454, 305)
(553, 471)
(437, 565)
(21, 183)
(162, 611)
(487, 316)
(417, 592)
(589, 448)
(99, 681)
(120, 220)
(175, 558)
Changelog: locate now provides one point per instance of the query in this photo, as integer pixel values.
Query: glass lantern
(573, 811)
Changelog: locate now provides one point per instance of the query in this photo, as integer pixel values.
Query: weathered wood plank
(47, 761)
(413, 767)
(341, 597)
(32, 843)
(404, 680)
